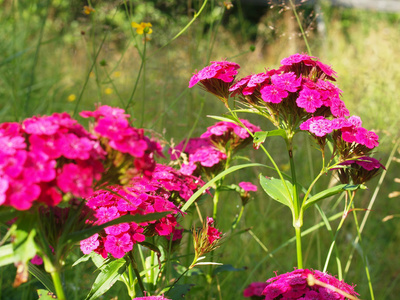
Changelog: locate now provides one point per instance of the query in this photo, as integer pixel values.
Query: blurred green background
(55, 57)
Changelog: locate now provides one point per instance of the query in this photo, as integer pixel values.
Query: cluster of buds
(205, 239)
(302, 284)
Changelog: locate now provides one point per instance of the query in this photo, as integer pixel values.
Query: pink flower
(222, 70)
(74, 147)
(254, 289)
(321, 127)
(39, 167)
(75, 179)
(3, 188)
(287, 81)
(297, 58)
(118, 245)
(248, 186)
(21, 194)
(293, 285)
(90, 244)
(309, 99)
(50, 145)
(273, 94)
(37, 260)
(367, 138)
(338, 108)
(40, 126)
(13, 166)
(10, 144)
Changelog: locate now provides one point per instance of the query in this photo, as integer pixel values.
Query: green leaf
(24, 247)
(277, 190)
(6, 255)
(42, 276)
(178, 291)
(84, 258)
(226, 268)
(216, 178)
(83, 234)
(192, 272)
(228, 118)
(260, 136)
(107, 277)
(46, 295)
(330, 192)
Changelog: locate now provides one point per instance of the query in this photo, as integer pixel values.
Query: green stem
(143, 57)
(184, 28)
(336, 234)
(371, 203)
(365, 260)
(238, 218)
(301, 27)
(298, 248)
(55, 276)
(215, 201)
(139, 279)
(298, 212)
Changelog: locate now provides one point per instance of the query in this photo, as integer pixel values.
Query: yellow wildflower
(228, 5)
(117, 74)
(142, 28)
(87, 10)
(71, 98)
(108, 91)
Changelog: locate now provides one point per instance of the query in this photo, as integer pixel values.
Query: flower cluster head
(208, 153)
(306, 284)
(165, 191)
(206, 239)
(359, 170)
(301, 88)
(216, 78)
(44, 158)
(130, 152)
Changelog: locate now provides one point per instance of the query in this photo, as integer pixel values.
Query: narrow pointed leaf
(330, 192)
(106, 278)
(224, 119)
(42, 276)
(277, 191)
(216, 178)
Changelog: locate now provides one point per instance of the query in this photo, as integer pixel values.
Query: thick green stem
(298, 213)
(55, 276)
(298, 248)
(215, 201)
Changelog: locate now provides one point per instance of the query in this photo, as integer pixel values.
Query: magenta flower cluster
(294, 285)
(43, 158)
(300, 95)
(165, 191)
(206, 153)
